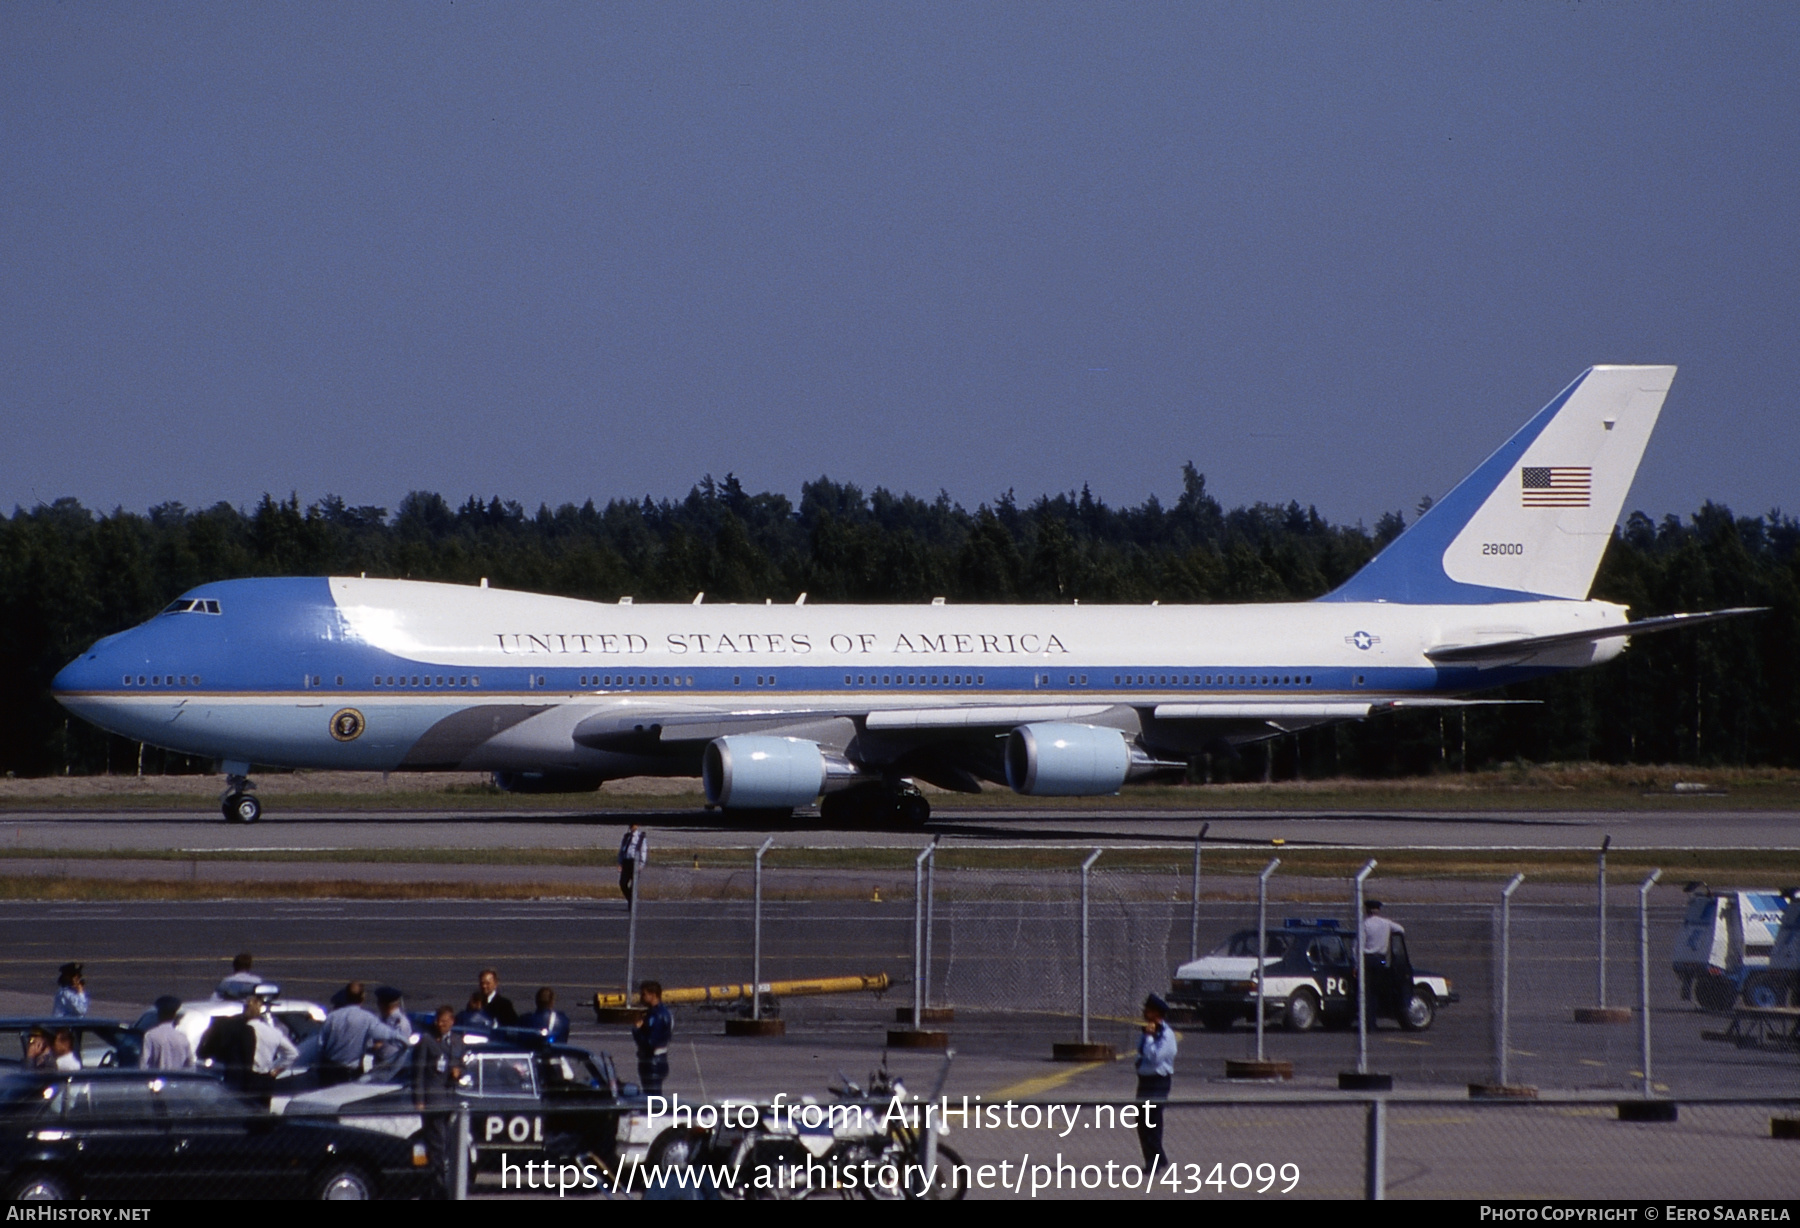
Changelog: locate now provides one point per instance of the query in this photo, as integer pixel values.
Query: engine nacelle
(1066, 760)
(756, 772)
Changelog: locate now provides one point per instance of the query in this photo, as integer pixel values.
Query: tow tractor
(1722, 953)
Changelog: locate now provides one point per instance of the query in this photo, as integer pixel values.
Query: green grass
(1522, 787)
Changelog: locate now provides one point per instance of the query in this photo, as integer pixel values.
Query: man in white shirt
(242, 980)
(62, 1045)
(165, 1047)
(1377, 930)
(274, 1051)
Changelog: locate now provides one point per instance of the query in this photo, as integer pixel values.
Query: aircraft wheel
(242, 808)
(915, 810)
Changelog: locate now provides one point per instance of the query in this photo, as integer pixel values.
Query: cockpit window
(192, 605)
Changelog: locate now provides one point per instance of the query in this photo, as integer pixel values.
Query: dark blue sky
(1331, 252)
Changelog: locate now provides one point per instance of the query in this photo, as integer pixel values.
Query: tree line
(1727, 694)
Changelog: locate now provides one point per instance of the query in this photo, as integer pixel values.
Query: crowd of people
(253, 1048)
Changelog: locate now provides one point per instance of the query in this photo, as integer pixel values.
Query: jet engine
(1066, 760)
(756, 772)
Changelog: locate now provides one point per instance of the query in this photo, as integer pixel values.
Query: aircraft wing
(639, 729)
(1507, 652)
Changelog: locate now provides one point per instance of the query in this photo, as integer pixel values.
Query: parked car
(300, 1019)
(98, 1042)
(542, 1101)
(134, 1134)
(1309, 974)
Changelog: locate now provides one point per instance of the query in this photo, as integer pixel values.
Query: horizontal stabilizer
(1507, 651)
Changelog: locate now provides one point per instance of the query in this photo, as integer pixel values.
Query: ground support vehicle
(545, 1102)
(168, 1134)
(1722, 953)
(1309, 972)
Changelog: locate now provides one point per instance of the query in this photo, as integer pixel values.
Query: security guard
(1155, 1074)
(652, 1037)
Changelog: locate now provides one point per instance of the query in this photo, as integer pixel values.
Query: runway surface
(202, 829)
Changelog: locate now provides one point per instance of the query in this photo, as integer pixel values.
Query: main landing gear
(238, 803)
(877, 805)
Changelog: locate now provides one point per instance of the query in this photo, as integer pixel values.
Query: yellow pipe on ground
(737, 993)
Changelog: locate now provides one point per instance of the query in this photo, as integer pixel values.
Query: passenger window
(506, 1076)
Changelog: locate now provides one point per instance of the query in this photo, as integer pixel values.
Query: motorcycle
(852, 1148)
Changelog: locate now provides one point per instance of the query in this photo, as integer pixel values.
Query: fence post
(1644, 972)
(459, 1162)
(756, 942)
(1601, 910)
(1362, 988)
(1505, 1004)
(637, 889)
(930, 896)
(918, 951)
(1085, 867)
(1262, 946)
(1194, 923)
(1375, 1176)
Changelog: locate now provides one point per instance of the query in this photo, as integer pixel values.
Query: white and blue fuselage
(778, 705)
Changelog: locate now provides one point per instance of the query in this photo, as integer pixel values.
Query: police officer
(652, 1036)
(546, 1018)
(437, 1065)
(71, 998)
(1155, 1074)
(1377, 933)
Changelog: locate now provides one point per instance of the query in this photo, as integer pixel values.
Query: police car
(1723, 949)
(1310, 980)
(532, 1102)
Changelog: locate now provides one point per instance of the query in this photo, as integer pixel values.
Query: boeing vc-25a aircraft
(776, 706)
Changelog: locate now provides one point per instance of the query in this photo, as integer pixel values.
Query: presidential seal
(346, 724)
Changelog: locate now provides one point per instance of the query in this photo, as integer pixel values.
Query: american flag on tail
(1556, 486)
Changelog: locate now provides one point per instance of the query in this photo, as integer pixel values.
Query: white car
(301, 1020)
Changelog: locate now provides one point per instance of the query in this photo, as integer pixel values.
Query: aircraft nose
(88, 672)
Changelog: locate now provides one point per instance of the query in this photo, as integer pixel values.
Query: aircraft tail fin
(1533, 520)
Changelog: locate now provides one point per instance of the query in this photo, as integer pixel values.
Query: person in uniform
(165, 1046)
(71, 998)
(437, 1065)
(1155, 1073)
(652, 1036)
(349, 1032)
(546, 1018)
(634, 851)
(1377, 932)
